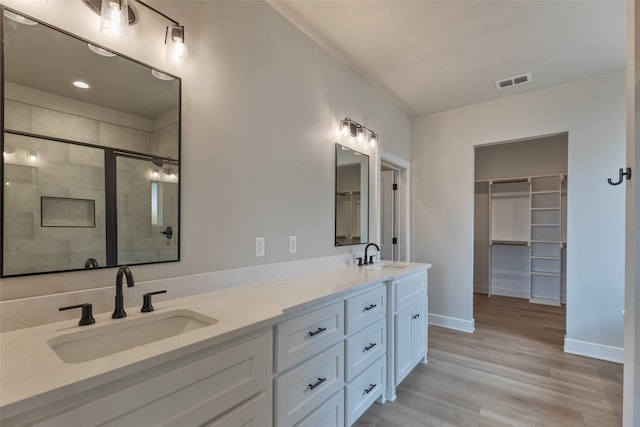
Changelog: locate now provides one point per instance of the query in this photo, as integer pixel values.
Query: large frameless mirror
(91, 144)
(352, 197)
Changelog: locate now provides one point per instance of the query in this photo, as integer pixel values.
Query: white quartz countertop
(32, 374)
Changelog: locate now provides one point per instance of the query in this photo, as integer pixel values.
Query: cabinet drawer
(330, 414)
(366, 308)
(364, 390)
(299, 391)
(365, 347)
(250, 414)
(410, 289)
(299, 338)
(189, 394)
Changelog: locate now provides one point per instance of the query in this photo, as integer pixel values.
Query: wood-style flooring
(510, 372)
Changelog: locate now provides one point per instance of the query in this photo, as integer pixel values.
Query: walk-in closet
(520, 228)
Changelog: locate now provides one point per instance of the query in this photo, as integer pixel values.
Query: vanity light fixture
(345, 127)
(19, 18)
(360, 133)
(176, 48)
(117, 15)
(373, 139)
(114, 16)
(349, 127)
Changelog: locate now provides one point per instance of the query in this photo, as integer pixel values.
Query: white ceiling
(431, 56)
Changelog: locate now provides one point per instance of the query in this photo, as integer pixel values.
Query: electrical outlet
(293, 244)
(260, 243)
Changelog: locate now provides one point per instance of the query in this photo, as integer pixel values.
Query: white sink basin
(386, 265)
(95, 342)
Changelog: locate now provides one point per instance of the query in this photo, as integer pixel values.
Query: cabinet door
(419, 331)
(251, 414)
(404, 336)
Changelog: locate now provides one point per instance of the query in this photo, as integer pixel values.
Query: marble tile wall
(59, 170)
(73, 171)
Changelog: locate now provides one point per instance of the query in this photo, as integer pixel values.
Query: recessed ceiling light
(160, 75)
(101, 51)
(19, 18)
(81, 85)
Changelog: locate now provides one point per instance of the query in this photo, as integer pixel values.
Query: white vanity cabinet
(365, 351)
(225, 385)
(330, 360)
(309, 363)
(407, 328)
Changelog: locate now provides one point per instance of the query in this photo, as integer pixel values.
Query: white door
(388, 214)
(631, 408)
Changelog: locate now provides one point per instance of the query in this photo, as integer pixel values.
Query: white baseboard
(452, 323)
(594, 350)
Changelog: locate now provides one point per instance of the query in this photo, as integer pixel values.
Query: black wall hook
(622, 173)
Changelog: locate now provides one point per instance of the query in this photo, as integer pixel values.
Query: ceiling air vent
(512, 81)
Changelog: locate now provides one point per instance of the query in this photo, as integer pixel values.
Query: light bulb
(32, 157)
(345, 127)
(114, 16)
(373, 139)
(176, 48)
(360, 134)
(155, 174)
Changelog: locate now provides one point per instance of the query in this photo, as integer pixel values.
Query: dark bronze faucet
(369, 260)
(118, 311)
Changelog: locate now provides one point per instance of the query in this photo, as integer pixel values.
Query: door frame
(403, 201)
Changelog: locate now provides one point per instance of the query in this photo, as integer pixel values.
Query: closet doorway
(520, 219)
(393, 207)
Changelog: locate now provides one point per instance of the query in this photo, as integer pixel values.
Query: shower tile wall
(60, 170)
(69, 171)
(30, 118)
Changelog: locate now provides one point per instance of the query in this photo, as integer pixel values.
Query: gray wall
(592, 112)
(261, 109)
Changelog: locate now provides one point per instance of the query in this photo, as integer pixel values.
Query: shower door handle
(168, 232)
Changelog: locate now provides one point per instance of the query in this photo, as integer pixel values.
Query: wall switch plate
(293, 244)
(260, 246)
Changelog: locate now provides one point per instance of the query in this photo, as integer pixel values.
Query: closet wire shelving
(542, 233)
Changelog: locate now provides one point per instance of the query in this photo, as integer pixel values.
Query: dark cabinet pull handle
(320, 381)
(369, 307)
(370, 388)
(370, 346)
(314, 333)
(415, 316)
